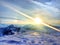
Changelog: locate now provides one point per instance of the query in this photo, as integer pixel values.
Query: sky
(47, 10)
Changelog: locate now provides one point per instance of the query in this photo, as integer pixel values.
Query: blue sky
(49, 10)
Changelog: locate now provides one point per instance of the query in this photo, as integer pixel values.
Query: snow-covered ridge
(30, 39)
(10, 36)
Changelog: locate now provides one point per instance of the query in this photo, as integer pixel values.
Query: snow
(30, 39)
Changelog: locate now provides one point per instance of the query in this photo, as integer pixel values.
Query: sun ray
(37, 20)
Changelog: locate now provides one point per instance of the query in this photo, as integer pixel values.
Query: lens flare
(38, 20)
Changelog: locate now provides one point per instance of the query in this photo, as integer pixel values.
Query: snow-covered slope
(30, 38)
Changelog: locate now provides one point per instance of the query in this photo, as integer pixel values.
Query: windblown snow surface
(30, 39)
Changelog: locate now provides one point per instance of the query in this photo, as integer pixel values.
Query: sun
(38, 20)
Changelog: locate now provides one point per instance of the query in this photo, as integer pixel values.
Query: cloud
(45, 9)
(11, 21)
(51, 9)
(54, 3)
(45, 6)
(42, 1)
(50, 13)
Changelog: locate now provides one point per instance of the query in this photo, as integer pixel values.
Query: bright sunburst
(38, 20)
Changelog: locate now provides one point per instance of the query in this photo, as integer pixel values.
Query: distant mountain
(10, 29)
(3, 25)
